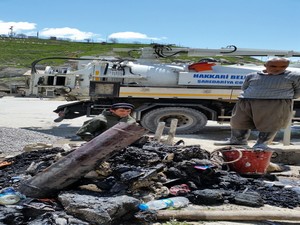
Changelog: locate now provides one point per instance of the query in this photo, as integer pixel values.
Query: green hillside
(20, 53)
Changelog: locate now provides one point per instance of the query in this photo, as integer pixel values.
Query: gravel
(13, 140)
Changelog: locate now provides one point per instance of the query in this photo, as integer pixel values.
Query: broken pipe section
(75, 165)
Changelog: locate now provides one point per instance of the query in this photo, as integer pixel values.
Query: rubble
(101, 210)
(75, 165)
(111, 192)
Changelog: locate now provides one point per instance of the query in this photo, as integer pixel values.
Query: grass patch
(20, 53)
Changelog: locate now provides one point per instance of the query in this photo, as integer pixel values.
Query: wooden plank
(238, 215)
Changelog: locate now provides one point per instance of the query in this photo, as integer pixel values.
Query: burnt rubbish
(67, 170)
(150, 171)
(156, 167)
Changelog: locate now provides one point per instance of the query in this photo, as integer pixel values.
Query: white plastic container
(176, 202)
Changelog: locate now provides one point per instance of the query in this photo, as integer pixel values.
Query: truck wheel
(189, 120)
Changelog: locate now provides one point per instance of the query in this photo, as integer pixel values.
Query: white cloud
(30, 29)
(67, 32)
(132, 35)
(17, 27)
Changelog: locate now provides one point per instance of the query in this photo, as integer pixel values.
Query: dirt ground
(38, 115)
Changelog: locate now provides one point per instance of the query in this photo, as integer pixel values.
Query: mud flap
(72, 110)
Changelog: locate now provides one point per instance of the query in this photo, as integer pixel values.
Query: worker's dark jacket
(101, 123)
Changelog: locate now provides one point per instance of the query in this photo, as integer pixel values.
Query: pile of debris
(112, 191)
(103, 181)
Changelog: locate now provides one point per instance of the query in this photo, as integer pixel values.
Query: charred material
(142, 173)
(75, 165)
(10, 176)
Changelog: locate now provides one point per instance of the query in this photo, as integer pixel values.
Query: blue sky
(263, 24)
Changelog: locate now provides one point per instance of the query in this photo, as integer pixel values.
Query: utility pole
(11, 31)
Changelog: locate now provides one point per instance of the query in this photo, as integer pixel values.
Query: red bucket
(247, 161)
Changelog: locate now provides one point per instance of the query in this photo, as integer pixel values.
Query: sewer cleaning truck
(192, 93)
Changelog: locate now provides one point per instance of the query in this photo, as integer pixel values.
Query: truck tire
(189, 120)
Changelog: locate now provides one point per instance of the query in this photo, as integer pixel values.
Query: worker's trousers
(265, 115)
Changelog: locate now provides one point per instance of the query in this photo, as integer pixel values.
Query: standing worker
(265, 104)
(119, 112)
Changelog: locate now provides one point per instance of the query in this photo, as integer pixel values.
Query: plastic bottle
(176, 202)
(9, 196)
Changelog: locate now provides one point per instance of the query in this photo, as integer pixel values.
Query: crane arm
(163, 51)
(241, 52)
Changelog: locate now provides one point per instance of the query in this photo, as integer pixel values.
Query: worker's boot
(238, 137)
(264, 138)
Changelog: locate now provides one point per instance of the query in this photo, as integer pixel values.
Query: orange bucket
(247, 161)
